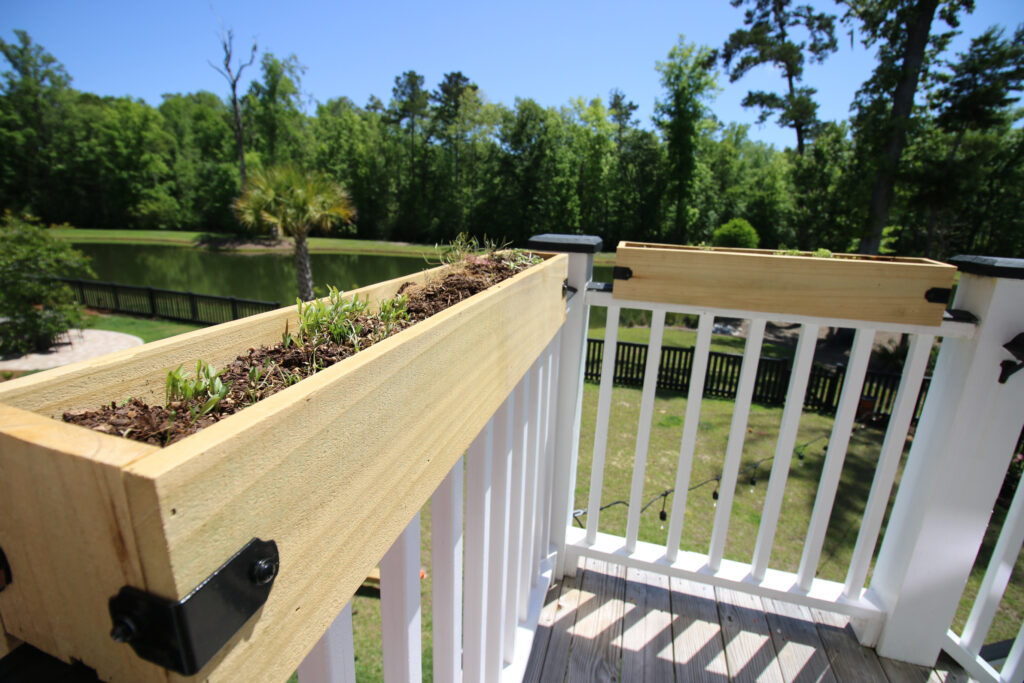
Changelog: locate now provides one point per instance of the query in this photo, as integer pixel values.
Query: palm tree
(294, 202)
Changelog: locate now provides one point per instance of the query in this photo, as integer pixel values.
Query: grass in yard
(147, 329)
(801, 487)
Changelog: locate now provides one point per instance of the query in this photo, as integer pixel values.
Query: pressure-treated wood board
(697, 635)
(800, 653)
(748, 643)
(67, 534)
(879, 288)
(332, 468)
(647, 628)
(597, 633)
(850, 660)
(545, 624)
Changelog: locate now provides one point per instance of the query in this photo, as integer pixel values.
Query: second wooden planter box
(844, 286)
(332, 469)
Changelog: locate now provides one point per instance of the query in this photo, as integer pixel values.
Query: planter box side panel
(141, 372)
(67, 535)
(334, 468)
(878, 290)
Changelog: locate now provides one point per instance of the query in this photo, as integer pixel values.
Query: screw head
(123, 631)
(263, 571)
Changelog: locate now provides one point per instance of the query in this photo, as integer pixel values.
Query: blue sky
(550, 51)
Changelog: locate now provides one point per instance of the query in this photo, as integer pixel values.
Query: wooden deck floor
(609, 624)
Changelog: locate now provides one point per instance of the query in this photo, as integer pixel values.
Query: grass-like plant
(200, 393)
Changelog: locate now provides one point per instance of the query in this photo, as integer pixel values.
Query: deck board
(610, 624)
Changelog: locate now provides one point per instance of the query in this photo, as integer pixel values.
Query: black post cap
(576, 244)
(993, 266)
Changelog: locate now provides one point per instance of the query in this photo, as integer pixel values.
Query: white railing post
(332, 659)
(581, 250)
(961, 450)
(400, 607)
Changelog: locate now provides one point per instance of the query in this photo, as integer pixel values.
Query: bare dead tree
(227, 39)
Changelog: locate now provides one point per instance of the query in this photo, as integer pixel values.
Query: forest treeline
(932, 167)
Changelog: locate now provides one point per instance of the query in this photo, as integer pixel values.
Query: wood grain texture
(749, 649)
(647, 652)
(570, 600)
(68, 536)
(696, 633)
(800, 653)
(885, 289)
(902, 672)
(539, 651)
(141, 371)
(851, 662)
(334, 467)
(596, 636)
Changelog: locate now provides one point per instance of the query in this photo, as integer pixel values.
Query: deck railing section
(883, 615)
(490, 514)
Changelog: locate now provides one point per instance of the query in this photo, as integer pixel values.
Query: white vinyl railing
(502, 520)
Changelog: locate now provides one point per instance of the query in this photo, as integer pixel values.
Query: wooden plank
(902, 672)
(749, 650)
(948, 671)
(801, 654)
(67, 533)
(556, 660)
(141, 371)
(883, 289)
(851, 661)
(697, 643)
(596, 636)
(541, 640)
(647, 651)
(332, 468)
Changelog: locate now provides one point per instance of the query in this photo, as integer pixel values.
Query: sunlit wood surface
(609, 623)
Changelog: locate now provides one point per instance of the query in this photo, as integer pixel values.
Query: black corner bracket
(621, 273)
(5, 571)
(184, 635)
(938, 295)
(1010, 367)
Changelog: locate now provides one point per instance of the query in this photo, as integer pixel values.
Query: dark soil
(281, 367)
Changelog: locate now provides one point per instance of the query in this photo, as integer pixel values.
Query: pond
(262, 276)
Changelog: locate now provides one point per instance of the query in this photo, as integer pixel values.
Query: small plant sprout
(201, 393)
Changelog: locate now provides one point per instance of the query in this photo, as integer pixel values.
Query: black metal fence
(823, 387)
(189, 307)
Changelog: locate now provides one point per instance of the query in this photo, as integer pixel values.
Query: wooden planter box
(884, 289)
(332, 469)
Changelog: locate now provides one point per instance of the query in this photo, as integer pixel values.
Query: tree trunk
(303, 268)
(918, 31)
(239, 134)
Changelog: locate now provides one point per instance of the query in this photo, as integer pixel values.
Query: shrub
(736, 233)
(34, 308)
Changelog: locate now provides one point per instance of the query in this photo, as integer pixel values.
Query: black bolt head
(263, 571)
(123, 631)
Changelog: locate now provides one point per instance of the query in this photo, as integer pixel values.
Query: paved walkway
(78, 345)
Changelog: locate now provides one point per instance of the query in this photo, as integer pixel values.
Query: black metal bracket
(184, 635)
(621, 273)
(1009, 367)
(938, 295)
(5, 571)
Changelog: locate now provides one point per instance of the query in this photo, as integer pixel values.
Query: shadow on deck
(609, 623)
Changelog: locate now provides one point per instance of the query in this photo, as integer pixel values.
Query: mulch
(282, 366)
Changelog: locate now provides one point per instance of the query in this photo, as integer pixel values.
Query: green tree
(736, 233)
(884, 104)
(273, 112)
(34, 99)
(768, 40)
(689, 80)
(295, 202)
(35, 309)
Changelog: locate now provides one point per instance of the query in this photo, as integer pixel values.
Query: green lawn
(633, 328)
(759, 448)
(148, 329)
